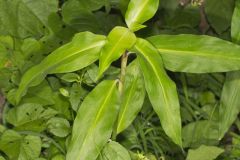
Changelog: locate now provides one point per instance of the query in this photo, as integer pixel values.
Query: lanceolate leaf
(230, 102)
(114, 151)
(139, 11)
(82, 51)
(161, 90)
(197, 54)
(94, 122)
(118, 41)
(235, 27)
(133, 96)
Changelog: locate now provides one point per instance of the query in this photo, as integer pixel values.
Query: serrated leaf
(93, 125)
(197, 53)
(133, 96)
(80, 52)
(118, 41)
(235, 26)
(204, 153)
(16, 146)
(139, 11)
(114, 150)
(161, 90)
(229, 103)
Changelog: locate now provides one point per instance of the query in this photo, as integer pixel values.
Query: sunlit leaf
(80, 52)
(161, 90)
(93, 125)
(197, 54)
(139, 11)
(133, 96)
(118, 41)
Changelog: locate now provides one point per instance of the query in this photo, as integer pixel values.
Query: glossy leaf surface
(93, 125)
(197, 54)
(82, 51)
(139, 11)
(161, 90)
(118, 41)
(133, 96)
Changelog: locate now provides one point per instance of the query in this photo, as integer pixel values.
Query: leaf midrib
(159, 79)
(126, 104)
(97, 118)
(46, 68)
(140, 8)
(114, 47)
(195, 54)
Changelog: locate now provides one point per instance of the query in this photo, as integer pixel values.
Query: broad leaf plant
(116, 100)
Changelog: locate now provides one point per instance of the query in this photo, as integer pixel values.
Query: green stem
(124, 60)
(123, 71)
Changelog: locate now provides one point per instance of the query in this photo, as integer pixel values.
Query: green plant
(117, 94)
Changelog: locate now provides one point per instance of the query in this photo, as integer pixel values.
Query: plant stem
(123, 71)
(124, 60)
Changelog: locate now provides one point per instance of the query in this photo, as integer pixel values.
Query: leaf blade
(235, 26)
(139, 11)
(81, 51)
(161, 90)
(133, 96)
(229, 107)
(118, 41)
(114, 150)
(197, 54)
(93, 126)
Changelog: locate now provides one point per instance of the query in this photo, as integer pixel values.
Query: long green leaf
(114, 151)
(133, 96)
(80, 52)
(235, 27)
(118, 41)
(197, 54)
(94, 122)
(161, 90)
(230, 102)
(139, 11)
